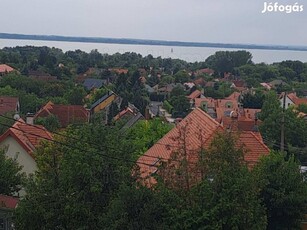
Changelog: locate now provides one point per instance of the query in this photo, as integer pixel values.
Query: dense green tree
(50, 122)
(11, 177)
(181, 76)
(112, 112)
(283, 190)
(75, 96)
(253, 101)
(271, 116)
(220, 183)
(76, 178)
(226, 61)
(145, 134)
(181, 106)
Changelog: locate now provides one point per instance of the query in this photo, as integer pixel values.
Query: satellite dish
(16, 117)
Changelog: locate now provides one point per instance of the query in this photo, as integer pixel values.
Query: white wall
(288, 102)
(15, 150)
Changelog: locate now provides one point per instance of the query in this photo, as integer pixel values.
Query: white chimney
(30, 118)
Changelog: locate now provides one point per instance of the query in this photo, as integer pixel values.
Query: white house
(20, 142)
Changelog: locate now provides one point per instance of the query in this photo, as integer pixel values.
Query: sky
(225, 21)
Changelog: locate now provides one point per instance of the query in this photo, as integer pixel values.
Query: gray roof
(154, 107)
(149, 89)
(133, 120)
(91, 83)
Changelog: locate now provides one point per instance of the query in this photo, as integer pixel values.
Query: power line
(74, 147)
(92, 143)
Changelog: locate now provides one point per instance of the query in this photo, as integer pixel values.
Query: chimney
(30, 118)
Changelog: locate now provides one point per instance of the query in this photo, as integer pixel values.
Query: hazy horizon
(220, 21)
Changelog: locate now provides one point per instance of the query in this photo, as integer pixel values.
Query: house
(132, 121)
(221, 110)
(118, 70)
(149, 89)
(265, 85)
(40, 75)
(20, 142)
(291, 99)
(154, 109)
(66, 114)
(104, 102)
(196, 132)
(7, 206)
(9, 105)
(4, 69)
(276, 83)
(238, 85)
(195, 94)
(91, 83)
(205, 71)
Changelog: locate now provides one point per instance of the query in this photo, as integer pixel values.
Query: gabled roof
(198, 129)
(254, 145)
(119, 70)
(67, 114)
(5, 68)
(205, 71)
(296, 100)
(91, 83)
(28, 136)
(127, 111)
(103, 98)
(8, 104)
(195, 94)
(198, 124)
(133, 120)
(8, 202)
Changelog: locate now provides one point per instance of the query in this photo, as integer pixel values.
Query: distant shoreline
(131, 41)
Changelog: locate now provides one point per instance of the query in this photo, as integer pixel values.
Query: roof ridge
(207, 115)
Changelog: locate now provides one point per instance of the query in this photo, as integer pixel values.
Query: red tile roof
(210, 102)
(119, 70)
(8, 104)
(199, 129)
(254, 145)
(67, 114)
(5, 68)
(239, 83)
(234, 96)
(8, 202)
(127, 111)
(28, 136)
(205, 71)
(195, 94)
(296, 100)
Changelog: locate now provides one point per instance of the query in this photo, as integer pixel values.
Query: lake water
(190, 54)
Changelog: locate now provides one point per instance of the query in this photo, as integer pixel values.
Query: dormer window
(228, 105)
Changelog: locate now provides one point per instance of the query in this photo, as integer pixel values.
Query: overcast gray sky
(227, 21)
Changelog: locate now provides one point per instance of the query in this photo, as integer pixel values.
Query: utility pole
(282, 134)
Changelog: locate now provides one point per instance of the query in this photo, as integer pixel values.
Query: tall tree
(283, 190)
(11, 177)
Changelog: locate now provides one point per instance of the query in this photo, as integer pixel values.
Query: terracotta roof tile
(67, 114)
(5, 68)
(199, 130)
(8, 104)
(28, 136)
(195, 94)
(8, 202)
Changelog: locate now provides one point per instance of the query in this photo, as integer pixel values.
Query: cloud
(237, 21)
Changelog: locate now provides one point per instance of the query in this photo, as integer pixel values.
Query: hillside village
(96, 130)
